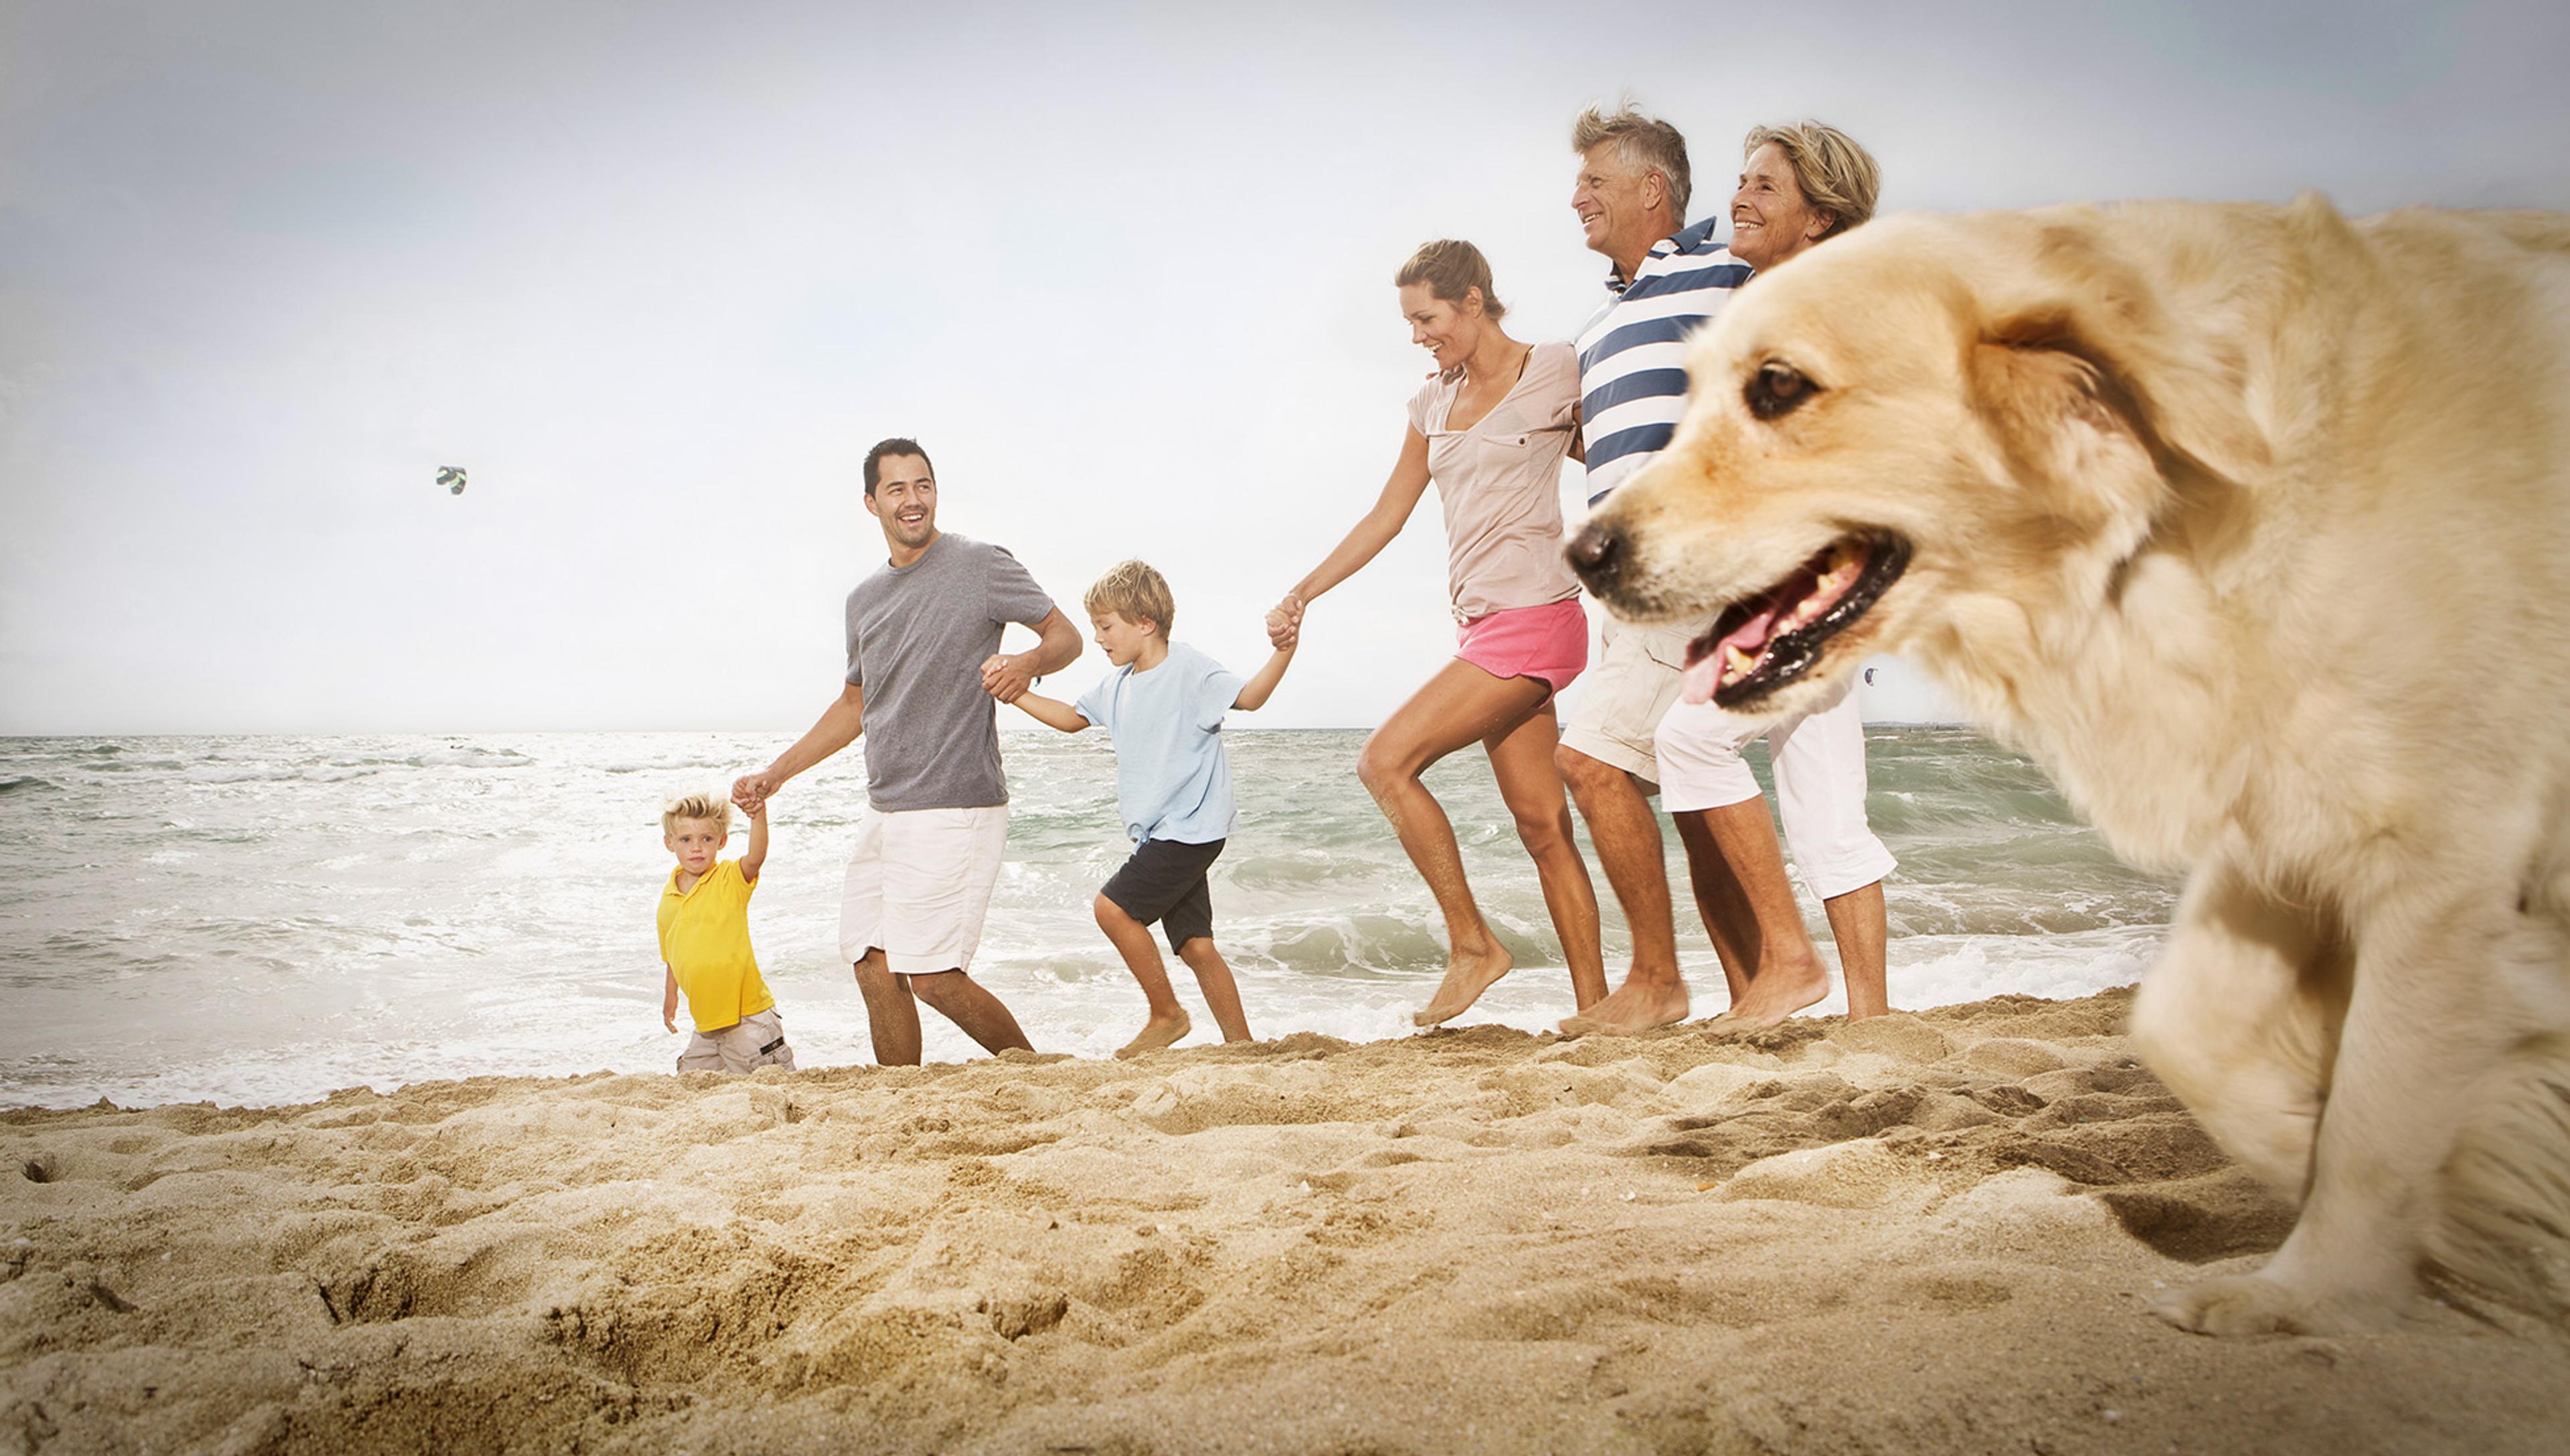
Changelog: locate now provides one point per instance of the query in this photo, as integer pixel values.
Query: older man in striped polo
(1632, 737)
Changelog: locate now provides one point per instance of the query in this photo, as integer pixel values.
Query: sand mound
(1921, 1234)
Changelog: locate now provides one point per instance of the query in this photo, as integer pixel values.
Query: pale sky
(658, 276)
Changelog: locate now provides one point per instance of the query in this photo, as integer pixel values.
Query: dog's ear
(2092, 334)
(2030, 389)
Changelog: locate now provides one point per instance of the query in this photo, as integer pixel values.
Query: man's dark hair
(894, 446)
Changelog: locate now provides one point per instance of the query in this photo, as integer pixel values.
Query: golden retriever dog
(2252, 524)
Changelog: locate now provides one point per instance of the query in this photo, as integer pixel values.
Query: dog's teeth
(1736, 663)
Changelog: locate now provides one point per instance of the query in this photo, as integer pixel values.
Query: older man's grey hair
(1644, 144)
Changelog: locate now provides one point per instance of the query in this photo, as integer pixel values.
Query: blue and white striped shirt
(1632, 354)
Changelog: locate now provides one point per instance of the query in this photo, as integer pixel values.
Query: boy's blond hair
(1133, 591)
(708, 806)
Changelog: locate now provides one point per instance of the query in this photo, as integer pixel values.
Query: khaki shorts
(1628, 691)
(754, 1041)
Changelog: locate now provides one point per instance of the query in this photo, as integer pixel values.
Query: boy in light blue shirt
(1163, 704)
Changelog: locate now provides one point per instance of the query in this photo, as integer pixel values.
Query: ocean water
(264, 920)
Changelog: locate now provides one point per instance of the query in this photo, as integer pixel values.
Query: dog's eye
(1776, 389)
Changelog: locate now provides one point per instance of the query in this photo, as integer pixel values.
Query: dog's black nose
(1596, 553)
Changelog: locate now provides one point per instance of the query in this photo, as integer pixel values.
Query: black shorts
(1165, 882)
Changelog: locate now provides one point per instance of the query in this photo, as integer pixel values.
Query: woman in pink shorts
(1491, 431)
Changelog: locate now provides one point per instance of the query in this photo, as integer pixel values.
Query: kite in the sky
(451, 477)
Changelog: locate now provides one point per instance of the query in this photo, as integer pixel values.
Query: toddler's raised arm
(753, 858)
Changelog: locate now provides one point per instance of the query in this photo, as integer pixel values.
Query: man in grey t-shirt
(923, 676)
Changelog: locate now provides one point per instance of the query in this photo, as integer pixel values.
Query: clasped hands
(750, 791)
(1285, 623)
(1004, 677)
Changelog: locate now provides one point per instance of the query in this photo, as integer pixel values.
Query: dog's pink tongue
(1749, 636)
(1698, 683)
(1699, 680)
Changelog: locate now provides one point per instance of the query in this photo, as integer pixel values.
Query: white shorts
(1631, 686)
(1819, 782)
(919, 885)
(754, 1041)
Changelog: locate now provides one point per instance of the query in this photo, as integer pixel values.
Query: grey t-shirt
(917, 639)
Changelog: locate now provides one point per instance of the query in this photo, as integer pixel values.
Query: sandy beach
(1924, 1234)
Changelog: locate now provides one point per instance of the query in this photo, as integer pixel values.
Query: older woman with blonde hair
(1491, 431)
(1798, 185)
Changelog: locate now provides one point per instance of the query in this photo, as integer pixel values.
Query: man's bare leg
(1785, 973)
(1132, 939)
(1863, 930)
(961, 1000)
(1521, 759)
(1461, 704)
(891, 1017)
(1627, 836)
(1221, 992)
(1721, 902)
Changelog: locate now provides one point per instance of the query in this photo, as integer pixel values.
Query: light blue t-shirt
(1171, 779)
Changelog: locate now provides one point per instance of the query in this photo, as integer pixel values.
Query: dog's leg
(2427, 1016)
(2506, 1225)
(2239, 1017)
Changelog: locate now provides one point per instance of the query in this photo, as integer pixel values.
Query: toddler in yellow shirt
(704, 941)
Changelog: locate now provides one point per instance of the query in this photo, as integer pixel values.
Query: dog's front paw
(2260, 1304)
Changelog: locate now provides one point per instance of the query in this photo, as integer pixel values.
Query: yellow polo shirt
(705, 939)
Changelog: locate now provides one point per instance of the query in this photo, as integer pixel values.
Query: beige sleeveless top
(1500, 484)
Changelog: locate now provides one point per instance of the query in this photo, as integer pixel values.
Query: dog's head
(1927, 418)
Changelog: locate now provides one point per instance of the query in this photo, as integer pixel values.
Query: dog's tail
(2504, 1232)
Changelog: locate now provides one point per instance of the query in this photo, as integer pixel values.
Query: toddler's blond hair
(695, 806)
(1133, 591)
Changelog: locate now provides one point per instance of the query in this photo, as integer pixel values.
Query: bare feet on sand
(1156, 1034)
(1632, 1008)
(1774, 995)
(1467, 977)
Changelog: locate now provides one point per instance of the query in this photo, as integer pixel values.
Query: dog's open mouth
(1762, 642)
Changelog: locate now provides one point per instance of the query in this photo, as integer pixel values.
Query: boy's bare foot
(1467, 977)
(1775, 993)
(1156, 1034)
(1631, 1008)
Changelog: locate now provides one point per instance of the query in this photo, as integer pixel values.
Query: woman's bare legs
(1461, 704)
(1521, 760)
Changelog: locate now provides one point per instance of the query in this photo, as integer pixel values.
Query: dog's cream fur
(2252, 524)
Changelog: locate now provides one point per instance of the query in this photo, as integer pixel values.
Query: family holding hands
(1490, 429)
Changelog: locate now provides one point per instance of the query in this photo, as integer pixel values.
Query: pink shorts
(1548, 643)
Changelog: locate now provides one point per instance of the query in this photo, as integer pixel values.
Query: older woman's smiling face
(1770, 220)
